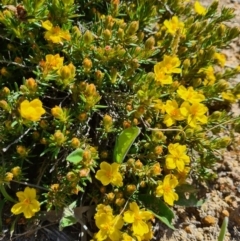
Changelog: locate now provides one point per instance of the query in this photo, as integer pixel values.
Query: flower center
(26, 201)
(174, 112)
(166, 188)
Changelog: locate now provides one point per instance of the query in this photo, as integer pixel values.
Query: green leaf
(186, 188)
(124, 142)
(159, 209)
(190, 201)
(76, 156)
(223, 229)
(68, 217)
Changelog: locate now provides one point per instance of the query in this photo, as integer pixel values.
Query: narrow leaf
(124, 142)
(223, 229)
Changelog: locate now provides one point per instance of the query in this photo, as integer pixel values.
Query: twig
(18, 139)
(14, 63)
(158, 129)
(31, 185)
(32, 231)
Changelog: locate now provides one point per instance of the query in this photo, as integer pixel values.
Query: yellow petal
(128, 216)
(47, 25)
(17, 208)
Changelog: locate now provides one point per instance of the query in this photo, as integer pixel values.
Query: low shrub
(123, 105)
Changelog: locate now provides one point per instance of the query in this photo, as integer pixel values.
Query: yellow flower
(190, 94)
(194, 113)
(28, 205)
(8, 177)
(173, 25)
(138, 218)
(177, 157)
(55, 34)
(209, 73)
(166, 189)
(169, 65)
(173, 113)
(109, 173)
(101, 208)
(182, 175)
(109, 227)
(52, 63)
(199, 9)
(221, 58)
(160, 77)
(31, 110)
(228, 96)
(126, 237)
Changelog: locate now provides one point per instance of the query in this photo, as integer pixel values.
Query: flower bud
(43, 141)
(43, 124)
(140, 36)
(90, 90)
(31, 84)
(22, 151)
(130, 162)
(113, 74)
(158, 150)
(120, 33)
(126, 124)
(75, 143)
(131, 188)
(84, 172)
(150, 42)
(4, 105)
(102, 189)
(120, 202)
(87, 64)
(54, 187)
(107, 34)
(4, 71)
(82, 116)
(99, 76)
(59, 137)
(133, 28)
(156, 169)
(142, 184)
(71, 176)
(87, 37)
(5, 91)
(196, 82)
(16, 171)
(138, 164)
(57, 112)
(8, 177)
(222, 85)
(104, 154)
(87, 156)
(110, 196)
(186, 64)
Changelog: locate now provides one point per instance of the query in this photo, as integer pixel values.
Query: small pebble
(225, 213)
(209, 220)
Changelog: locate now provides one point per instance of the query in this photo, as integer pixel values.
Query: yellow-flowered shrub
(124, 102)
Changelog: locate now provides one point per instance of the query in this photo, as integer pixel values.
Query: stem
(31, 185)
(5, 194)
